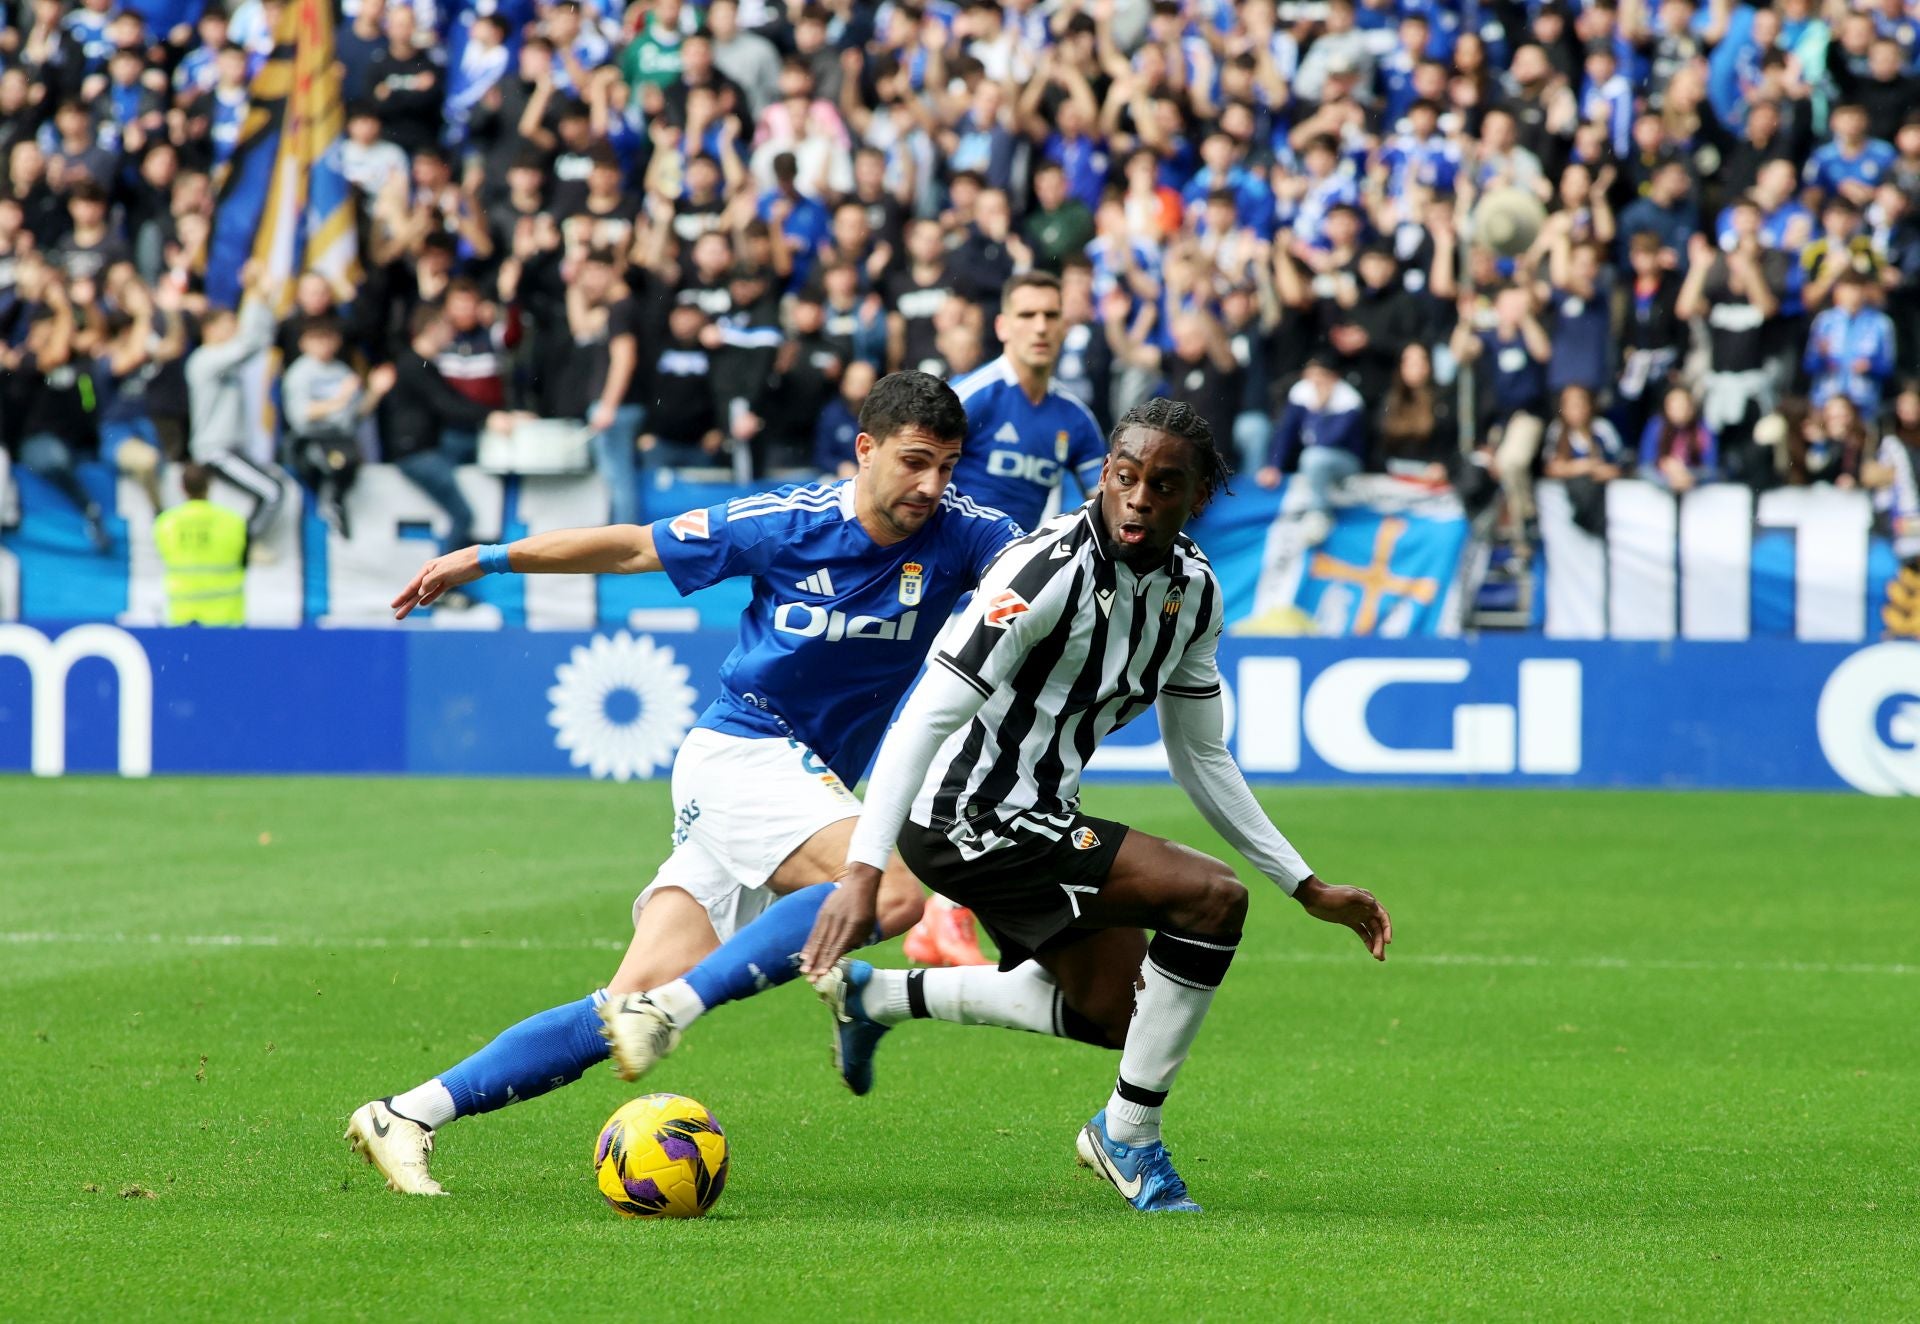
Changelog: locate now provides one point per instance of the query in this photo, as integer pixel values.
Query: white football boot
(638, 1031)
(401, 1149)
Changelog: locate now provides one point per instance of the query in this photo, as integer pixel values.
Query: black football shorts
(1029, 892)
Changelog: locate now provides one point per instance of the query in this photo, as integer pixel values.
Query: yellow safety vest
(204, 547)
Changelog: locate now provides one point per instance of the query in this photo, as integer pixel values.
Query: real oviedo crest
(913, 579)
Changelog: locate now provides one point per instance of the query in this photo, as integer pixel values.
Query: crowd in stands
(700, 231)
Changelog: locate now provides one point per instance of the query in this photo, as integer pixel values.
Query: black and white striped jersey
(1065, 645)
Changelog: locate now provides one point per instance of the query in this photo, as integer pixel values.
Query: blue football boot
(1143, 1174)
(855, 1034)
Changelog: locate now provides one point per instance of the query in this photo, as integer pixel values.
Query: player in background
(1024, 435)
(1075, 630)
(851, 582)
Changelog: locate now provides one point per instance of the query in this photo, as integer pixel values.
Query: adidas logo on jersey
(819, 582)
(1007, 432)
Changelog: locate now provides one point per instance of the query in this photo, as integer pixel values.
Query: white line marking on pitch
(492, 944)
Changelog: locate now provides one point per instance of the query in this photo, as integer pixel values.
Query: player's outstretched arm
(616, 549)
(1201, 763)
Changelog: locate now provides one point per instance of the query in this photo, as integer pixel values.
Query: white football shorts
(741, 805)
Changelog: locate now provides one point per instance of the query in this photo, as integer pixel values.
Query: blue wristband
(493, 559)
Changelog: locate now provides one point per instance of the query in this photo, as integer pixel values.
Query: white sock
(1179, 976)
(429, 1104)
(1023, 998)
(679, 1001)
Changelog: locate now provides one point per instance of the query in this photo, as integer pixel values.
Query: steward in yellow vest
(204, 548)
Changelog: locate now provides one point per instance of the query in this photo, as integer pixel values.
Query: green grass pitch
(1640, 1056)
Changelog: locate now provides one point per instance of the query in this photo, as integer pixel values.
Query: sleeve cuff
(973, 682)
(1191, 691)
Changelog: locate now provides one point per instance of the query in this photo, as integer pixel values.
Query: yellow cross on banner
(1376, 580)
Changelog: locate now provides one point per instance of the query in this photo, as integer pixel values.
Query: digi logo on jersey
(1034, 468)
(810, 622)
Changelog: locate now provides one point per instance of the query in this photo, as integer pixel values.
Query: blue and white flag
(283, 198)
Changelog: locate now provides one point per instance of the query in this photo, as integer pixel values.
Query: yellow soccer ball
(661, 1156)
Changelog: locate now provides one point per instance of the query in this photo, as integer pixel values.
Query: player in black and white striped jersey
(1075, 630)
(1094, 642)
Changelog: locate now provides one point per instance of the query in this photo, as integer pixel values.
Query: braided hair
(1179, 419)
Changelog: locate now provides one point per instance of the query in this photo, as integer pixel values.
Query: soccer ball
(661, 1156)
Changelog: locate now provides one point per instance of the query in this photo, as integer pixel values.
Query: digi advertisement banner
(1510, 711)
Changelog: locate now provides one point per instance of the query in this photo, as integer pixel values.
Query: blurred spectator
(1677, 449)
(1059, 226)
(683, 422)
(136, 343)
(1895, 475)
(1325, 427)
(1850, 347)
(1842, 246)
(1853, 163)
(619, 322)
(1250, 315)
(324, 401)
(1579, 300)
(1655, 336)
(420, 408)
(1369, 319)
(1887, 89)
(749, 60)
(1198, 368)
(1666, 209)
(834, 454)
(220, 436)
(1584, 452)
(807, 368)
(1829, 446)
(53, 391)
(1737, 291)
(204, 550)
(1514, 352)
(1417, 428)
(407, 84)
(1895, 233)
(89, 247)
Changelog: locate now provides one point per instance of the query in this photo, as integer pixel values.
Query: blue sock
(539, 1054)
(764, 953)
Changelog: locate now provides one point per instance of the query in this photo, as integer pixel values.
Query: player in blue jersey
(851, 581)
(1024, 435)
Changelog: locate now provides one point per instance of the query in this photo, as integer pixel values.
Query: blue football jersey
(838, 625)
(1016, 451)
